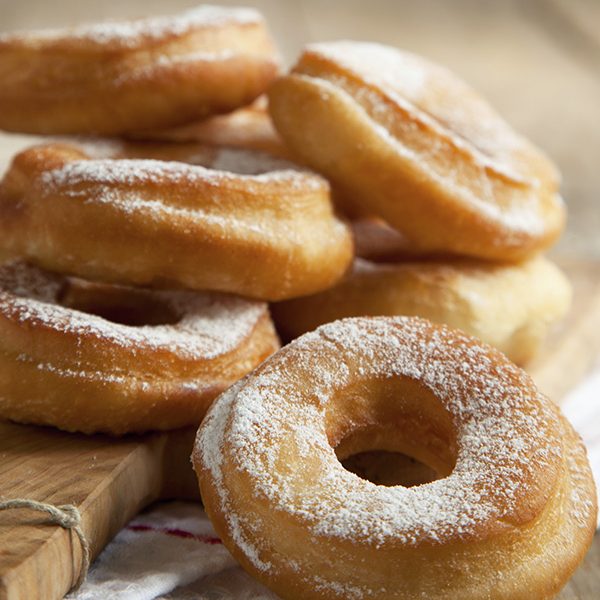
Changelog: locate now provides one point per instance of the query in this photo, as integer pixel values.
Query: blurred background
(537, 61)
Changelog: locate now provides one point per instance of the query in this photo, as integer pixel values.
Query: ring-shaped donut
(270, 233)
(511, 516)
(100, 358)
(405, 140)
(115, 78)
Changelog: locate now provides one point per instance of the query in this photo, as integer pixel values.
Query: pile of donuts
(173, 202)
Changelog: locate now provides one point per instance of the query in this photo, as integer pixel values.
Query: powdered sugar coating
(583, 508)
(237, 160)
(505, 430)
(129, 34)
(221, 165)
(117, 182)
(167, 222)
(209, 324)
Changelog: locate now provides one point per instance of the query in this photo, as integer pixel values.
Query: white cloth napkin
(172, 552)
(172, 547)
(582, 408)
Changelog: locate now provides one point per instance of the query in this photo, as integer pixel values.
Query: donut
(268, 234)
(509, 306)
(510, 516)
(94, 357)
(405, 140)
(114, 78)
(249, 127)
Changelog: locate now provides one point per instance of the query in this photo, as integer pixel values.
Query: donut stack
(142, 261)
(452, 208)
(139, 271)
(449, 208)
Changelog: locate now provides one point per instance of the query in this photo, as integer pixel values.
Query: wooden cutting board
(110, 480)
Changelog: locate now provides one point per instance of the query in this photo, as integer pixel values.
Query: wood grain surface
(108, 480)
(538, 61)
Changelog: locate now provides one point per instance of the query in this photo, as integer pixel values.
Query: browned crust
(258, 236)
(509, 306)
(248, 127)
(76, 85)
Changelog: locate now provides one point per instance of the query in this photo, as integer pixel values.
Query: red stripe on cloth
(181, 533)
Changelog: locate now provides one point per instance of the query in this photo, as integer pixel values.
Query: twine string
(66, 516)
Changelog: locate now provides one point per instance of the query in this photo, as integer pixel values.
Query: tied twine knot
(66, 516)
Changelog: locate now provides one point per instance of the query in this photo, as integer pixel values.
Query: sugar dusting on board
(209, 324)
(132, 33)
(504, 430)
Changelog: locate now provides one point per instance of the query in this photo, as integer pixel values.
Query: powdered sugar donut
(405, 140)
(94, 357)
(113, 78)
(245, 222)
(511, 516)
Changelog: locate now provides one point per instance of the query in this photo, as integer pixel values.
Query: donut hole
(390, 468)
(124, 306)
(392, 432)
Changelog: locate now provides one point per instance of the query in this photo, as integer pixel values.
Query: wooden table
(537, 60)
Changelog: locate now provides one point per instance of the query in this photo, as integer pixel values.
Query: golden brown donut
(99, 358)
(405, 140)
(509, 306)
(510, 517)
(269, 234)
(248, 127)
(114, 78)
